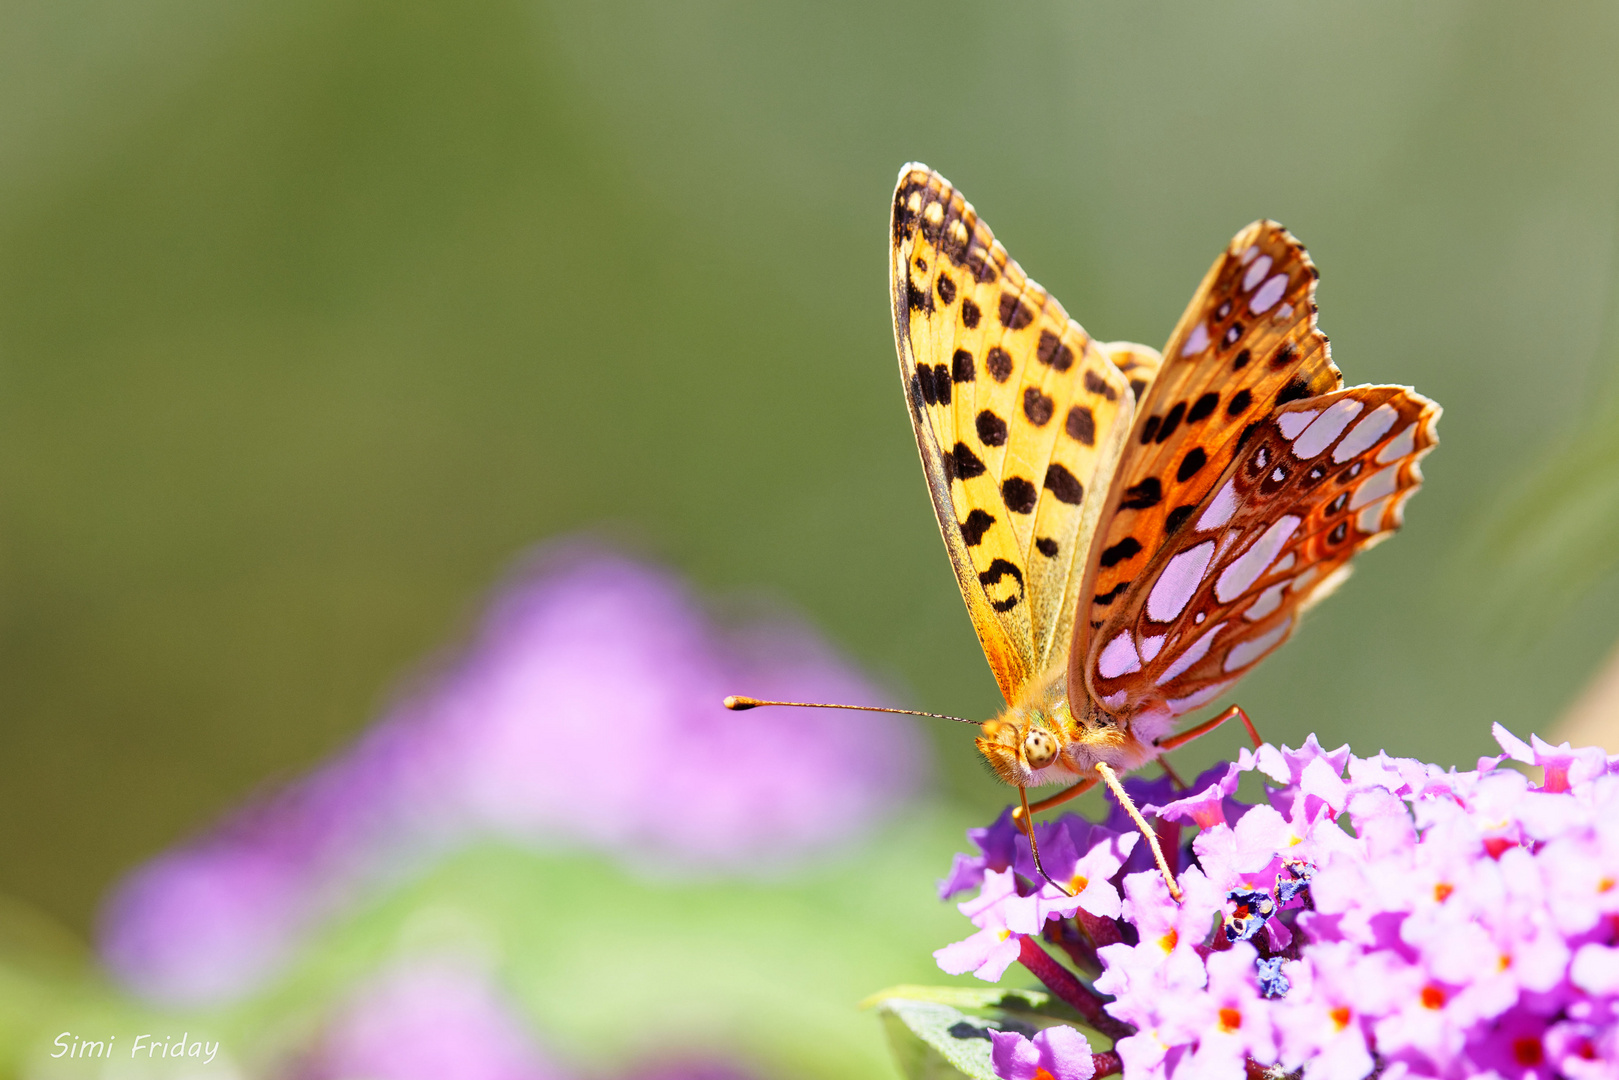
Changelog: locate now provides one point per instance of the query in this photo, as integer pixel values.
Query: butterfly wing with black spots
(1019, 416)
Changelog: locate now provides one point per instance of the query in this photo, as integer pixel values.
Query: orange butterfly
(1133, 531)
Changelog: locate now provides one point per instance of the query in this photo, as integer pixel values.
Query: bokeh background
(315, 317)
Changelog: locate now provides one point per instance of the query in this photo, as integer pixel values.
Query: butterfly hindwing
(1312, 484)
(1246, 345)
(1139, 363)
(1019, 417)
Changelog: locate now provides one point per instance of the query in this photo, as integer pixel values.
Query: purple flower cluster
(433, 1018)
(586, 713)
(1369, 915)
(427, 1021)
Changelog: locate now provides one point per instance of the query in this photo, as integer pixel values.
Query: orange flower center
(1442, 891)
(1433, 997)
(1077, 883)
(1169, 940)
(1340, 1017)
(1230, 1019)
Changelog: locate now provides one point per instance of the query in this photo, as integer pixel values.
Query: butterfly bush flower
(427, 1021)
(434, 1018)
(586, 713)
(1366, 915)
(1060, 1053)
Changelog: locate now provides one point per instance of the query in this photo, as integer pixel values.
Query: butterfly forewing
(1313, 484)
(1019, 417)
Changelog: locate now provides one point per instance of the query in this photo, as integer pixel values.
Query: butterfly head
(1020, 745)
(1026, 744)
(1043, 740)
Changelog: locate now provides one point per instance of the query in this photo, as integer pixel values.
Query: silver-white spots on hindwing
(1178, 581)
(1198, 699)
(1399, 446)
(1119, 657)
(1193, 653)
(1246, 568)
(1292, 424)
(1220, 508)
(1327, 427)
(1244, 653)
(1150, 647)
(1374, 487)
(1364, 435)
(1268, 601)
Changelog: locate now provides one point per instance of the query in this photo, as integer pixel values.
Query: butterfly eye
(1039, 748)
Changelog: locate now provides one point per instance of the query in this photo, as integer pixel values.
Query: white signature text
(70, 1045)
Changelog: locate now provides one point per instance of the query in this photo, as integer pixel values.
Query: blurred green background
(313, 316)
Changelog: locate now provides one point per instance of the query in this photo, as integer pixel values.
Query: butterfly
(1133, 531)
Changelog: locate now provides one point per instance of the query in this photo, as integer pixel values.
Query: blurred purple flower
(585, 713)
(1467, 926)
(427, 1022)
(439, 1018)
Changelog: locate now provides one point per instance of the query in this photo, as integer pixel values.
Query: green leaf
(1010, 999)
(942, 1032)
(933, 1041)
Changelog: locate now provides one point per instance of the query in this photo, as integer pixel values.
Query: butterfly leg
(1111, 778)
(1209, 725)
(1058, 799)
(1027, 825)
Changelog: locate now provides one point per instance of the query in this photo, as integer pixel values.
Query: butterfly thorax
(1043, 739)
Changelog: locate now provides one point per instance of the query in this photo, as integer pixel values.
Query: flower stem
(1101, 931)
(1066, 985)
(1079, 951)
(1068, 937)
(1106, 1064)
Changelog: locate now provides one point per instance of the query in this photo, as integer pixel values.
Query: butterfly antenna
(1034, 848)
(738, 703)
